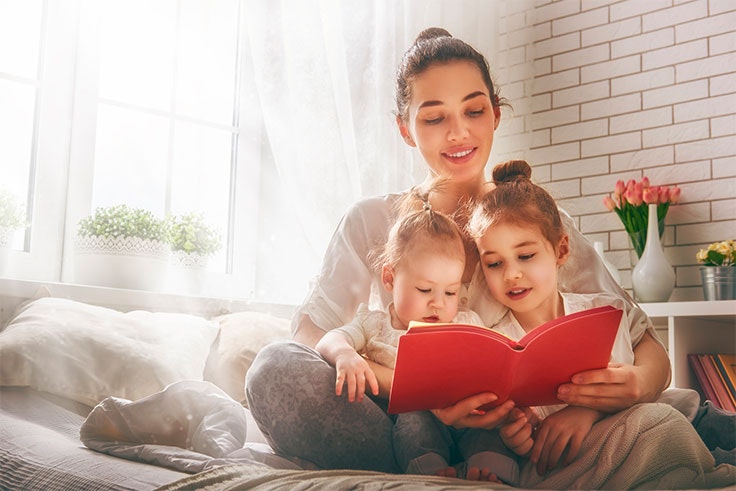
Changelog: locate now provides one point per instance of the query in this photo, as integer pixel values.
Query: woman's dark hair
(437, 46)
(516, 200)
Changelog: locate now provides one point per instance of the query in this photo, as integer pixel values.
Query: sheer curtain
(325, 75)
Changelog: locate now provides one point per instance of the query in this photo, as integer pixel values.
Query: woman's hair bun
(513, 170)
(431, 33)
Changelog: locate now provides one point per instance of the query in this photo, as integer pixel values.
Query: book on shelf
(437, 365)
(716, 375)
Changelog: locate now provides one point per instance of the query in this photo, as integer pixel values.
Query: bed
(96, 398)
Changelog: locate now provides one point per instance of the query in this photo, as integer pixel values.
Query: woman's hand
(610, 389)
(562, 433)
(621, 386)
(465, 413)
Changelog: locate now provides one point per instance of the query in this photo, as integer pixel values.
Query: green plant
(718, 254)
(123, 221)
(191, 233)
(12, 214)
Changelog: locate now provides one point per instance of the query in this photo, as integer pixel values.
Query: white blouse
(347, 280)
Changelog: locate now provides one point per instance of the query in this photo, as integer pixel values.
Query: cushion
(87, 353)
(242, 335)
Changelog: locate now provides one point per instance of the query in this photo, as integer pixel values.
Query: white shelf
(694, 327)
(700, 308)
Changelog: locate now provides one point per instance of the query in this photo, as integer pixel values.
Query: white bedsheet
(40, 449)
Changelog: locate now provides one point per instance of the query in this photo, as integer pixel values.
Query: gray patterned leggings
(291, 393)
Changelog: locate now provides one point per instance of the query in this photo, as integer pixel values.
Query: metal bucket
(719, 282)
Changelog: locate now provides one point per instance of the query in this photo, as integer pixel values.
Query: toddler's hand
(353, 370)
(516, 433)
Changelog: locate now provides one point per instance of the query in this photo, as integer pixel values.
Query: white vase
(653, 277)
(598, 246)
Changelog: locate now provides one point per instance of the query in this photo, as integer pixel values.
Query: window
(263, 116)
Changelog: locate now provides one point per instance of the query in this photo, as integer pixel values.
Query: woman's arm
(346, 277)
(306, 332)
(621, 386)
(384, 375)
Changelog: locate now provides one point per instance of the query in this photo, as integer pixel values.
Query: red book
(719, 387)
(438, 365)
(726, 365)
(699, 371)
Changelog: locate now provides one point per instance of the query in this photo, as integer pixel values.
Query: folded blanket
(633, 449)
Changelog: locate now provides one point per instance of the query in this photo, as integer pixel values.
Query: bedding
(156, 399)
(87, 353)
(40, 449)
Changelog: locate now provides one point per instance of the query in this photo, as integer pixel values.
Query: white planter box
(122, 262)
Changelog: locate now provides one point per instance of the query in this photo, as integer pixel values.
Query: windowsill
(14, 291)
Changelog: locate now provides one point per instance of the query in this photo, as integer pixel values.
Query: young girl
(421, 265)
(522, 245)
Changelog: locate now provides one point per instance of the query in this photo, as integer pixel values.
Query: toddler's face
(426, 285)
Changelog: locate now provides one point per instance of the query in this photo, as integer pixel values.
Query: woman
(449, 109)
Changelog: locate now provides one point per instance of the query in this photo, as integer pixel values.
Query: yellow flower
(718, 254)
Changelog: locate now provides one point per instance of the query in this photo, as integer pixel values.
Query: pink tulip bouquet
(631, 203)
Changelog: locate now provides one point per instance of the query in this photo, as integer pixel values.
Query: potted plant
(193, 241)
(718, 270)
(12, 218)
(122, 247)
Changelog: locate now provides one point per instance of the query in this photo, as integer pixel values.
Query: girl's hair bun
(513, 170)
(431, 33)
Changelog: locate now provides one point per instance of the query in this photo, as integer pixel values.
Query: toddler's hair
(516, 200)
(417, 223)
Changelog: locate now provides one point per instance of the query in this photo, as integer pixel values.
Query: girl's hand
(609, 389)
(465, 413)
(353, 370)
(516, 433)
(562, 433)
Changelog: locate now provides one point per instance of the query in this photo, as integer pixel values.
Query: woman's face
(451, 120)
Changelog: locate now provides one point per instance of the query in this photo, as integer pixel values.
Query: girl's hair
(437, 46)
(417, 223)
(516, 200)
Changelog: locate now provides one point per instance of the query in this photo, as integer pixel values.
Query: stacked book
(716, 374)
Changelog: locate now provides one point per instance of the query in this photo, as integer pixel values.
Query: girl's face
(520, 267)
(425, 285)
(451, 121)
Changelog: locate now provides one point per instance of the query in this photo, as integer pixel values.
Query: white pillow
(242, 335)
(87, 353)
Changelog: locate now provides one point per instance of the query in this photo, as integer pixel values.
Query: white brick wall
(623, 89)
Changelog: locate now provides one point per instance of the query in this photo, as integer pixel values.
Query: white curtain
(325, 77)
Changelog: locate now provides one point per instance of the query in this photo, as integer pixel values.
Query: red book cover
(699, 371)
(722, 399)
(727, 368)
(724, 381)
(438, 365)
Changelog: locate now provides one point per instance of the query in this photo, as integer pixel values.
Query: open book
(438, 365)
